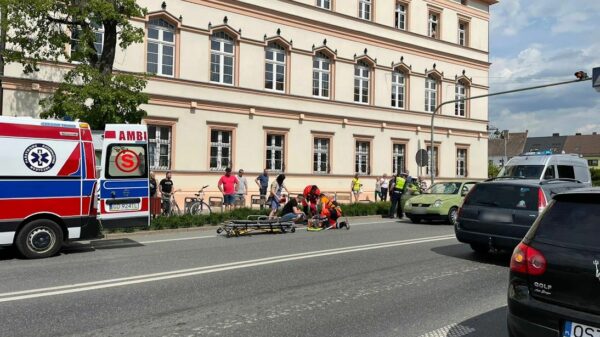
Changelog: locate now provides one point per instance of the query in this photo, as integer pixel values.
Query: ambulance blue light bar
(538, 153)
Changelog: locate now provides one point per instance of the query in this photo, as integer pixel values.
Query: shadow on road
(11, 253)
(489, 324)
(462, 251)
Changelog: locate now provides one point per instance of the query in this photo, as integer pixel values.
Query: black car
(554, 288)
(497, 214)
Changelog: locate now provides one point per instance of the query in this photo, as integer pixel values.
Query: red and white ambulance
(49, 191)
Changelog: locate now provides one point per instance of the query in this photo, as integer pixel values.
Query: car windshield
(504, 196)
(522, 171)
(444, 188)
(572, 220)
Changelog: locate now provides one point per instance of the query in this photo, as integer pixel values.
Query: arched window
(431, 93)
(222, 58)
(321, 75)
(275, 64)
(161, 48)
(398, 89)
(362, 81)
(460, 108)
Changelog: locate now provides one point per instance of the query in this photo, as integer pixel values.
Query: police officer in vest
(397, 185)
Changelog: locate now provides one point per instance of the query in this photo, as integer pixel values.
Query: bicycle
(200, 206)
(173, 208)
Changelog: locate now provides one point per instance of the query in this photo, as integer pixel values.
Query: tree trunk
(107, 59)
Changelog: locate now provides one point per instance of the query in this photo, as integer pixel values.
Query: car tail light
(542, 202)
(527, 260)
(465, 201)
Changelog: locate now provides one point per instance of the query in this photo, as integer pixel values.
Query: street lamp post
(580, 78)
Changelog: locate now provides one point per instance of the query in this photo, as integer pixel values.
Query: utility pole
(581, 77)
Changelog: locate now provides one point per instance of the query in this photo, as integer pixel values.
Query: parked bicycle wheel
(175, 210)
(200, 208)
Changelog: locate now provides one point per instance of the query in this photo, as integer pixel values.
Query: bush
(362, 209)
(595, 176)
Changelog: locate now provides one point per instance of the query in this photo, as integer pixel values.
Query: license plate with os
(573, 329)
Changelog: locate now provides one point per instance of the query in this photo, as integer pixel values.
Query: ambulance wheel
(39, 239)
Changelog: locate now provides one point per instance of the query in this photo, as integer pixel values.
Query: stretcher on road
(256, 224)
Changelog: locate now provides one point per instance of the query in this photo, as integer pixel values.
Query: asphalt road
(381, 278)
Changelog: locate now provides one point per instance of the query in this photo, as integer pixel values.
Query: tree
(493, 169)
(595, 173)
(40, 30)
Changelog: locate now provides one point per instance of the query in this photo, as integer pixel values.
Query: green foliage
(595, 176)
(493, 170)
(362, 209)
(39, 31)
(97, 98)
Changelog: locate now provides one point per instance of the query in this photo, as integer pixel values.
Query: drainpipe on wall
(3, 19)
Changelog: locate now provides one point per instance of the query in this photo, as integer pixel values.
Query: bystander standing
(263, 184)
(242, 189)
(228, 185)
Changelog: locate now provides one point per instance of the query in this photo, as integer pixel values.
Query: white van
(547, 166)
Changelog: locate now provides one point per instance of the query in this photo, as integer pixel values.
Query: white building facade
(316, 89)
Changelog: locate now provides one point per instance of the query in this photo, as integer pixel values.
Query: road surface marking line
(214, 236)
(43, 292)
(452, 330)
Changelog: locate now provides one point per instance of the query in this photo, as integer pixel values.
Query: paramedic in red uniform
(311, 196)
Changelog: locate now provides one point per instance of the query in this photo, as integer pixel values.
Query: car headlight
(437, 203)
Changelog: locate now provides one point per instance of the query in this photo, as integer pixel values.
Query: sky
(534, 42)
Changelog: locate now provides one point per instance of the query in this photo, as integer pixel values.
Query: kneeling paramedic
(311, 196)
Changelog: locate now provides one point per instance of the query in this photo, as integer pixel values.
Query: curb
(110, 236)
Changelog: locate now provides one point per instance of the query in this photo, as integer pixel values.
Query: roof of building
(586, 145)
(514, 145)
(555, 143)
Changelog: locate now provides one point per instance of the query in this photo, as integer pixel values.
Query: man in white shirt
(242, 189)
(384, 187)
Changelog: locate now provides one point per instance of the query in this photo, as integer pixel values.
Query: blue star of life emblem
(39, 157)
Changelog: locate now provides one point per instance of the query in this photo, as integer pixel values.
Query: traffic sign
(596, 79)
(422, 158)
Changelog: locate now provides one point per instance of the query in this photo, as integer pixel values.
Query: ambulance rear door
(124, 186)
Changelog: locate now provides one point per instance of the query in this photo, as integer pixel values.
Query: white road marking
(214, 236)
(452, 330)
(111, 283)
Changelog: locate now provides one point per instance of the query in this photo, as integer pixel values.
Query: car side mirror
(464, 193)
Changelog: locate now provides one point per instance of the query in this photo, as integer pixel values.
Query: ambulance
(49, 189)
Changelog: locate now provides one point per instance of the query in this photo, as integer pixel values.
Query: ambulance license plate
(123, 207)
(573, 329)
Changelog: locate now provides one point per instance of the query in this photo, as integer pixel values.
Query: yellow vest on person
(400, 183)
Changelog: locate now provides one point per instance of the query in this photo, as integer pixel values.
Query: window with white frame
(362, 78)
(275, 67)
(161, 48)
(326, 4)
(97, 30)
(362, 158)
(431, 86)
(433, 30)
(321, 75)
(220, 149)
(400, 16)
(398, 89)
(275, 148)
(433, 158)
(461, 162)
(463, 29)
(398, 158)
(460, 106)
(222, 58)
(321, 155)
(159, 147)
(364, 9)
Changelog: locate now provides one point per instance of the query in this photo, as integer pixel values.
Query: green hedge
(595, 176)
(217, 218)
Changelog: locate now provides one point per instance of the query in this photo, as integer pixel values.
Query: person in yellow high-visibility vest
(397, 188)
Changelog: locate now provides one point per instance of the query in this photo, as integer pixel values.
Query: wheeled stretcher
(256, 223)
